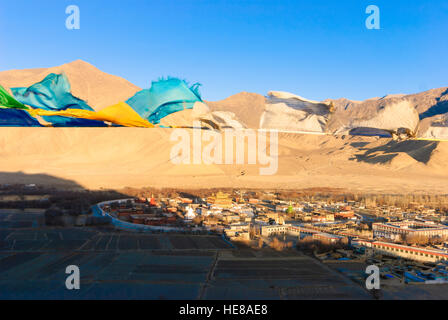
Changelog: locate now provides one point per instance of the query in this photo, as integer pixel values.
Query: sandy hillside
(431, 106)
(426, 101)
(247, 107)
(424, 113)
(119, 157)
(288, 112)
(98, 88)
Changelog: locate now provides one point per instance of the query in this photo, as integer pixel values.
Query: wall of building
(408, 252)
(123, 225)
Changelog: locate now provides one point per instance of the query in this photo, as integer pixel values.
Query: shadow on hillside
(61, 200)
(369, 132)
(317, 109)
(417, 149)
(440, 107)
(39, 179)
(359, 145)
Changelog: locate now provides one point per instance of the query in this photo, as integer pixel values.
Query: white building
(238, 231)
(408, 252)
(268, 230)
(189, 215)
(395, 230)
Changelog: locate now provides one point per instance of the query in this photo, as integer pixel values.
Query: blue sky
(317, 49)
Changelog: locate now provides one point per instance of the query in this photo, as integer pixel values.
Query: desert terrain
(120, 157)
(117, 157)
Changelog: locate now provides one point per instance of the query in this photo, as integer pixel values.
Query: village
(410, 245)
(300, 232)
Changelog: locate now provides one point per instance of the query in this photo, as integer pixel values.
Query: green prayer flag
(7, 101)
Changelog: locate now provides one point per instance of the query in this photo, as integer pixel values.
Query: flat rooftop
(411, 225)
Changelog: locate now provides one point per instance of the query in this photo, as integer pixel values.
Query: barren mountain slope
(98, 88)
(247, 107)
(431, 105)
(119, 157)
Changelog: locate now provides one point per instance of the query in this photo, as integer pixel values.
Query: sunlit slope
(88, 83)
(119, 157)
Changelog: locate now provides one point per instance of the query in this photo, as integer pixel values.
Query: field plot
(197, 242)
(127, 275)
(13, 219)
(121, 265)
(113, 265)
(274, 277)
